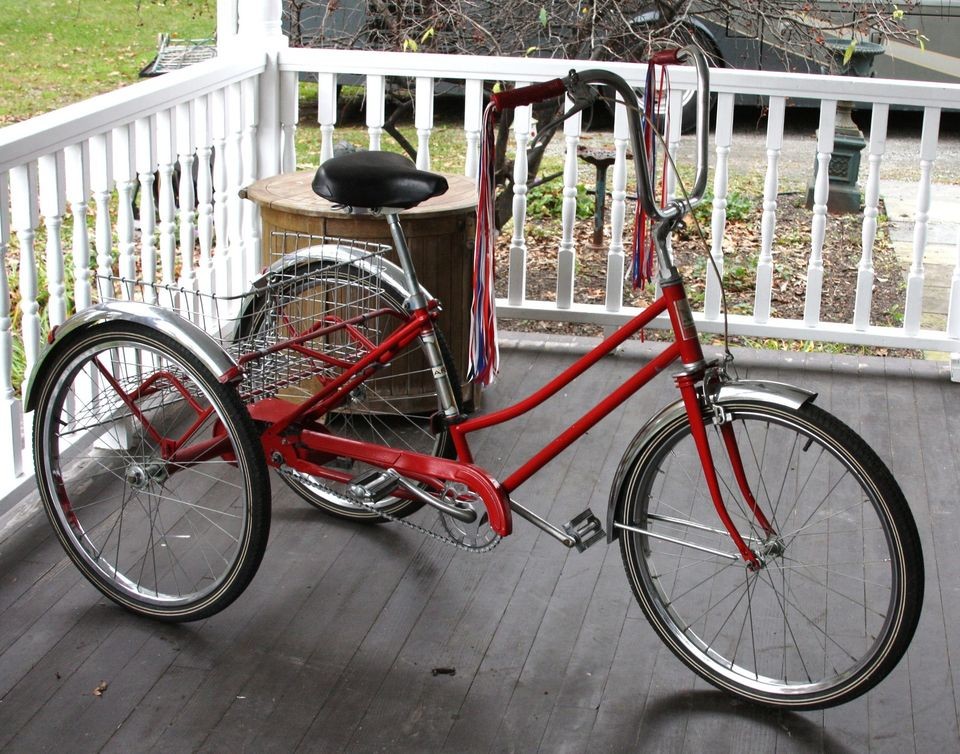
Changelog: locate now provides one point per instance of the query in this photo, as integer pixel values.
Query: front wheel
(151, 472)
(836, 600)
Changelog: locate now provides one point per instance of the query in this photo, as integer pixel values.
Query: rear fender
(372, 264)
(209, 351)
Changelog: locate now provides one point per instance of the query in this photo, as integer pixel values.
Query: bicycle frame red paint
(307, 449)
(687, 350)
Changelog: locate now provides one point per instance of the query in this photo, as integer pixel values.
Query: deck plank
(333, 645)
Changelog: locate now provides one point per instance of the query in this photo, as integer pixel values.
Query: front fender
(737, 391)
(167, 321)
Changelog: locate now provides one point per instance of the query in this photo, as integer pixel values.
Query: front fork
(696, 413)
(692, 357)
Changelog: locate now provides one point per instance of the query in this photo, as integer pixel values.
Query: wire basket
(314, 312)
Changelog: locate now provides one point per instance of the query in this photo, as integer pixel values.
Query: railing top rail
(763, 83)
(22, 142)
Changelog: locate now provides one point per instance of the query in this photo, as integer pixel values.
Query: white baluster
(675, 126)
(375, 95)
(11, 412)
(768, 221)
(423, 120)
(125, 178)
(252, 260)
(289, 116)
(78, 191)
(472, 125)
(185, 194)
(913, 309)
(818, 229)
(145, 163)
(201, 134)
(236, 253)
(566, 254)
(616, 257)
(166, 204)
(326, 112)
(52, 209)
(878, 140)
(26, 219)
(222, 271)
(722, 137)
(102, 184)
(77, 175)
(517, 283)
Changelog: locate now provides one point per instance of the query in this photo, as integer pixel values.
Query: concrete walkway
(943, 234)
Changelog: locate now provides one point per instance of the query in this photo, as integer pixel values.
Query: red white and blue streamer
(484, 360)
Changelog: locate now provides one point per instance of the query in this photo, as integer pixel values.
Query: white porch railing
(98, 154)
(234, 119)
(774, 90)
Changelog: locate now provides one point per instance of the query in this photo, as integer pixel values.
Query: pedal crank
(580, 532)
(585, 529)
(376, 485)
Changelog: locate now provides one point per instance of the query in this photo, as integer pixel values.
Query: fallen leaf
(101, 687)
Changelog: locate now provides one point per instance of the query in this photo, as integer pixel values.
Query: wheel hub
(772, 547)
(141, 476)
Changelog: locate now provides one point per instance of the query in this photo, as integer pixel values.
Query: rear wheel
(394, 407)
(837, 598)
(150, 471)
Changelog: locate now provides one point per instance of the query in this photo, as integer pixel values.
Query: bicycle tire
(393, 407)
(173, 541)
(836, 602)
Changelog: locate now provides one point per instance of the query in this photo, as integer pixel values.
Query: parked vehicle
(605, 31)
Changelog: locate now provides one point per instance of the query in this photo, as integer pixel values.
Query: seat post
(416, 300)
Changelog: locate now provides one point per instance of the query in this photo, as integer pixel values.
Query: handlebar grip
(666, 57)
(527, 95)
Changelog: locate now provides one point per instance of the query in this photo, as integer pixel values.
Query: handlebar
(575, 83)
(528, 95)
(678, 207)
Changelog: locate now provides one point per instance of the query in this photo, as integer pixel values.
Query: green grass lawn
(54, 52)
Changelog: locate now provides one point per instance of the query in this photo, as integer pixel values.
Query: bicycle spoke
(160, 537)
(812, 623)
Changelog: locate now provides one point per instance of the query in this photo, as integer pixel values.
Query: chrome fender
(167, 321)
(737, 391)
(338, 253)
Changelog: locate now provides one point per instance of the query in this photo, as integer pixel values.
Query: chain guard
(456, 534)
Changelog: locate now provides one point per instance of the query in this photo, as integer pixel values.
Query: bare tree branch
(798, 32)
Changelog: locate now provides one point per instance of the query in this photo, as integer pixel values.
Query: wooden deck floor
(334, 645)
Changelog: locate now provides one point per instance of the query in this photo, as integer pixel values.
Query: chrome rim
(822, 608)
(158, 533)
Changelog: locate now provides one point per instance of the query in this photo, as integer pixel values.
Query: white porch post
(258, 26)
(226, 23)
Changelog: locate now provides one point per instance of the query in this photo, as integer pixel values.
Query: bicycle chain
(312, 482)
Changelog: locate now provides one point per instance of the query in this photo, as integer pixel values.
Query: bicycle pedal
(373, 486)
(585, 528)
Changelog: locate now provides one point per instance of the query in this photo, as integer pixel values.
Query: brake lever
(582, 95)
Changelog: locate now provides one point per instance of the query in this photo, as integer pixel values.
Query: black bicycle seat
(375, 180)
